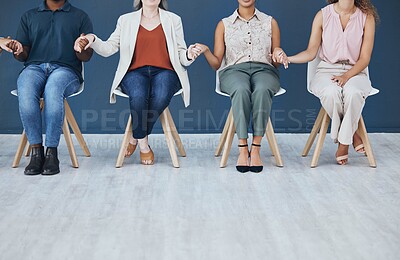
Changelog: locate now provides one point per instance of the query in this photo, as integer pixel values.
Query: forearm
(303, 57)
(361, 64)
(22, 57)
(85, 55)
(214, 62)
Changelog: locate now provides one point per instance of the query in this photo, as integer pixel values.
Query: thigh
(265, 80)
(233, 80)
(164, 84)
(322, 85)
(359, 84)
(63, 82)
(31, 82)
(136, 84)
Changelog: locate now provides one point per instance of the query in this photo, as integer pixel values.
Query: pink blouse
(338, 45)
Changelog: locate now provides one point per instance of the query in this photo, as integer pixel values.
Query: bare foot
(342, 154)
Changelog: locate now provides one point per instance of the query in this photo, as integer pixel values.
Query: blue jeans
(53, 83)
(150, 90)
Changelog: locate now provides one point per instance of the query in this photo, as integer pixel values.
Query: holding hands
(195, 50)
(83, 42)
(279, 56)
(12, 46)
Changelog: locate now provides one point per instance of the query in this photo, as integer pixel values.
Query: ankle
(133, 141)
(144, 144)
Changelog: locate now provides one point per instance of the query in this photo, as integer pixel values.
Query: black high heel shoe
(256, 169)
(243, 168)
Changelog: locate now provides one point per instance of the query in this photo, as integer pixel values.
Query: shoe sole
(32, 174)
(50, 173)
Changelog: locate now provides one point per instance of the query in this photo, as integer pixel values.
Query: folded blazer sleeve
(111, 46)
(180, 40)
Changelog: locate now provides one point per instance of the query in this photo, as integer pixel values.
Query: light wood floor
(201, 211)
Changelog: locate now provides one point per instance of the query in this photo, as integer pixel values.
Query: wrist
(187, 56)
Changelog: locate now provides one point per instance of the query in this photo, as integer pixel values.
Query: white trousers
(343, 105)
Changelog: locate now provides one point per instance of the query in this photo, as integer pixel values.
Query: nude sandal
(147, 157)
(342, 160)
(359, 147)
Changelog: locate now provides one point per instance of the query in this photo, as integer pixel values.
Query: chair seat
(373, 92)
(15, 93)
(118, 92)
(280, 92)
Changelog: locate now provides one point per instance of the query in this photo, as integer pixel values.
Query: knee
(241, 94)
(353, 93)
(161, 101)
(51, 94)
(262, 94)
(331, 95)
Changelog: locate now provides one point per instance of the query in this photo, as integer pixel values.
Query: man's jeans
(53, 83)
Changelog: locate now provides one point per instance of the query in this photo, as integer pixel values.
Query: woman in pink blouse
(344, 33)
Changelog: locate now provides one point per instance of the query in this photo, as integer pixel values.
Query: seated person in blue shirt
(52, 72)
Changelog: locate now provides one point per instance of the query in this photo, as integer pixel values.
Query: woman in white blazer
(151, 69)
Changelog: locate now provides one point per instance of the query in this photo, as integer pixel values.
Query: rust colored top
(151, 49)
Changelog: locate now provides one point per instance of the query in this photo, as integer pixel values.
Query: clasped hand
(83, 42)
(279, 56)
(12, 46)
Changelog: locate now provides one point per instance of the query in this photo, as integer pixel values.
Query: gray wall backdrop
(292, 112)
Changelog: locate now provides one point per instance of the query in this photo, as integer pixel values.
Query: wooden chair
(170, 132)
(322, 123)
(226, 139)
(69, 121)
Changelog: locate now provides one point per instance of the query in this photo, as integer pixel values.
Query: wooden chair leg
(228, 142)
(28, 150)
(125, 142)
(271, 147)
(321, 139)
(314, 132)
(20, 150)
(273, 143)
(169, 138)
(75, 128)
(70, 144)
(175, 133)
(362, 132)
(224, 135)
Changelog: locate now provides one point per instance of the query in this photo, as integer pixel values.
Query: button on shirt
(51, 35)
(248, 40)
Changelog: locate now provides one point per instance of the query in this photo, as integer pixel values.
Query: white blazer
(123, 39)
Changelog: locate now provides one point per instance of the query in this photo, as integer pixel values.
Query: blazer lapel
(134, 29)
(168, 31)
